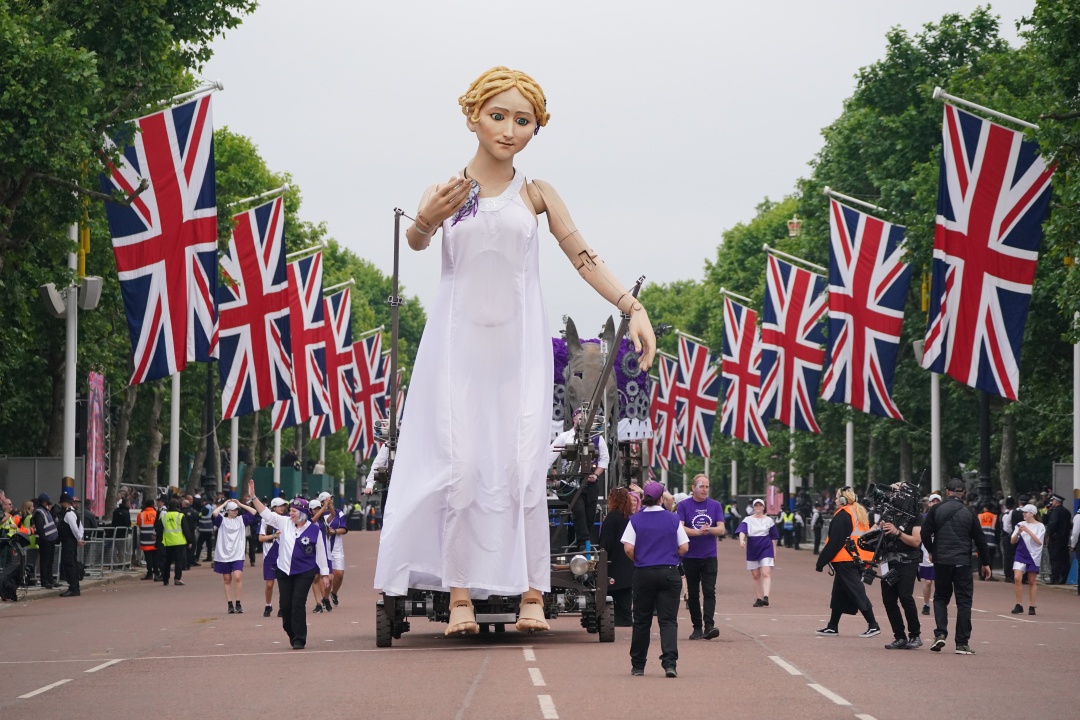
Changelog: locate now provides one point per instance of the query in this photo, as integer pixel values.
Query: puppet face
(506, 124)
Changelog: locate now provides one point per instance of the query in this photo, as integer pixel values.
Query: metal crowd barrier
(107, 549)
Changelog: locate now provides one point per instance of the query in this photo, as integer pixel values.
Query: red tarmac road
(135, 649)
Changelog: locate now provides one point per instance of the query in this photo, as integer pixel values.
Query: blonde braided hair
(500, 79)
(860, 512)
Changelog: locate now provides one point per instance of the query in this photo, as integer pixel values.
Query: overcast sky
(669, 122)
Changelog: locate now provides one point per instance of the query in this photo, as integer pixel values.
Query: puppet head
(500, 79)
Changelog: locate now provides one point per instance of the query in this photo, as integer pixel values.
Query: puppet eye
(497, 117)
(522, 122)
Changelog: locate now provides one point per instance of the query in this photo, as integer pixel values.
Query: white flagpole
(277, 462)
(849, 455)
(792, 258)
(935, 431)
(829, 192)
(706, 467)
(72, 329)
(1076, 420)
(734, 479)
(792, 480)
(174, 432)
(940, 94)
(234, 451)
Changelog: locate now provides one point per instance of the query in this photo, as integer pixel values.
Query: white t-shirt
(1035, 549)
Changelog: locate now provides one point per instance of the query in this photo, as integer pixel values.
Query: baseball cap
(322, 496)
(1029, 508)
(314, 504)
(277, 502)
(43, 498)
(654, 490)
(956, 485)
(758, 501)
(934, 497)
(231, 506)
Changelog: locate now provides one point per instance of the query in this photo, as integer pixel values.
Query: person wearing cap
(926, 566)
(172, 527)
(1058, 525)
(703, 519)
(268, 536)
(900, 552)
(229, 549)
(848, 591)
(949, 531)
(318, 517)
(204, 529)
(1028, 555)
(301, 558)
(758, 534)
(335, 526)
(655, 540)
(71, 537)
(1008, 550)
(47, 536)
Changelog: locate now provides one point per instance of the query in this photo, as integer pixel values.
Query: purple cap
(654, 490)
(301, 505)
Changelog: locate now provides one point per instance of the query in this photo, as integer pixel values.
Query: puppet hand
(641, 334)
(445, 200)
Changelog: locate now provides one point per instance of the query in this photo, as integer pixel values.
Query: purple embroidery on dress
(470, 206)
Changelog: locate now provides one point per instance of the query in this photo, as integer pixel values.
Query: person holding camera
(848, 592)
(901, 553)
(949, 531)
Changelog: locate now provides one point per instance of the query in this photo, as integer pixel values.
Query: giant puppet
(469, 511)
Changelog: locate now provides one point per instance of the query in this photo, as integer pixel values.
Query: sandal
(531, 615)
(462, 619)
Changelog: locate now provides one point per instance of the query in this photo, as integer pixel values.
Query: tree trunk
(871, 461)
(54, 443)
(1007, 465)
(153, 453)
(215, 458)
(194, 483)
(116, 478)
(905, 459)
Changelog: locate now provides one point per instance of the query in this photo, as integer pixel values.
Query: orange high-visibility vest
(147, 533)
(858, 529)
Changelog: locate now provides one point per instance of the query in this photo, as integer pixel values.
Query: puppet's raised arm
(593, 269)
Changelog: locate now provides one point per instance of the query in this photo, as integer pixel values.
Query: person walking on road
(268, 536)
(758, 534)
(229, 550)
(703, 519)
(301, 554)
(949, 531)
(1028, 557)
(655, 539)
(848, 591)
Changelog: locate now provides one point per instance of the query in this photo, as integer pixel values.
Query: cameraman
(901, 551)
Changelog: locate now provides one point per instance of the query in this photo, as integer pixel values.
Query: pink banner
(773, 497)
(95, 445)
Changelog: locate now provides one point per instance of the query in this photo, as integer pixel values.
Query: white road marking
(978, 610)
(537, 678)
(530, 656)
(1017, 619)
(50, 687)
(547, 707)
(829, 694)
(866, 717)
(780, 661)
(104, 665)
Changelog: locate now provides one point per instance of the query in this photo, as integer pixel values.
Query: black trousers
(623, 599)
(901, 594)
(68, 572)
(1059, 559)
(1008, 552)
(788, 537)
(656, 589)
(292, 593)
(252, 544)
(817, 540)
(46, 559)
(700, 580)
(947, 579)
(207, 539)
(174, 554)
(849, 594)
(152, 562)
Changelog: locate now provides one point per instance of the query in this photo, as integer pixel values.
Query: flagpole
(208, 87)
(688, 336)
(311, 248)
(669, 356)
(736, 296)
(369, 333)
(935, 418)
(332, 288)
(1076, 420)
(277, 462)
(829, 192)
(940, 94)
(849, 455)
(276, 191)
(734, 479)
(234, 451)
(792, 258)
(791, 466)
(174, 432)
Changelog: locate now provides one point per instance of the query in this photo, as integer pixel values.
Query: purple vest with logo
(657, 540)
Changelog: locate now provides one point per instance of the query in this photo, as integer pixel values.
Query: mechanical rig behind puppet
(898, 504)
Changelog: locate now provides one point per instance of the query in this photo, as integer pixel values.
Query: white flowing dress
(467, 506)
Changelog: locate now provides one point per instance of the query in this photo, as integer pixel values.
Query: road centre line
(537, 678)
(864, 716)
(780, 661)
(530, 656)
(829, 694)
(45, 689)
(1017, 619)
(102, 666)
(547, 707)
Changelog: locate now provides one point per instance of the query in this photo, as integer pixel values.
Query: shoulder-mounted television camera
(897, 504)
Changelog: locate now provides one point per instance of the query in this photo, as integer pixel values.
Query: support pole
(71, 318)
(734, 479)
(706, 471)
(277, 463)
(849, 455)
(174, 434)
(1076, 421)
(234, 451)
(935, 432)
(985, 488)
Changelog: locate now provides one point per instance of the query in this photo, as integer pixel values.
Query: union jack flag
(741, 354)
(310, 395)
(663, 415)
(697, 392)
(165, 242)
(255, 366)
(791, 338)
(340, 367)
(993, 195)
(370, 392)
(868, 284)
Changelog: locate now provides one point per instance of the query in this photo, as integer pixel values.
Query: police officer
(47, 535)
(172, 527)
(71, 537)
(655, 539)
(204, 534)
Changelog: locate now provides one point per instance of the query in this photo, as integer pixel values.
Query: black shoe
(637, 672)
(897, 644)
(144, 577)
(964, 650)
(333, 596)
(178, 582)
(297, 645)
(1017, 610)
(280, 613)
(1031, 610)
(70, 593)
(939, 642)
(232, 610)
(760, 603)
(327, 606)
(165, 582)
(870, 631)
(696, 635)
(267, 610)
(766, 600)
(828, 632)
(925, 609)
(239, 608)
(712, 633)
(318, 609)
(196, 564)
(670, 672)
(914, 642)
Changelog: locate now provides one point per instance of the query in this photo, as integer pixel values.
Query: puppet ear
(608, 335)
(573, 342)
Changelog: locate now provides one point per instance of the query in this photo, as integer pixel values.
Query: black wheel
(485, 629)
(384, 625)
(605, 623)
(500, 627)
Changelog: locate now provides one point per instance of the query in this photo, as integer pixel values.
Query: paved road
(133, 648)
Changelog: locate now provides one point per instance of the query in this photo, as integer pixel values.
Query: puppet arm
(593, 269)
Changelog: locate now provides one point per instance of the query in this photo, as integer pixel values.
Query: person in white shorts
(758, 534)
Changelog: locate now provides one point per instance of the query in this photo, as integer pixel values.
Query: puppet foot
(531, 613)
(462, 619)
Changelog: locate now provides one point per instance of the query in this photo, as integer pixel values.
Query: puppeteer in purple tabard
(468, 513)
